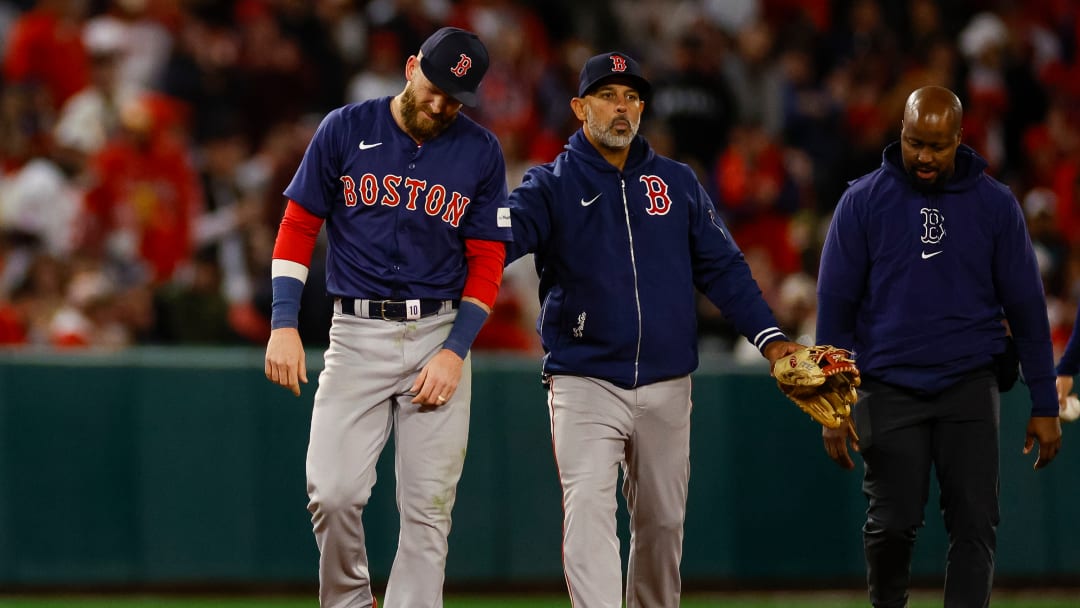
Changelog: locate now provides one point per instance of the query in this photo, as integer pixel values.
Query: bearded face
(421, 120)
(928, 143)
(615, 132)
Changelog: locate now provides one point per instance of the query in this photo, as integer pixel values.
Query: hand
(1064, 387)
(836, 444)
(774, 351)
(439, 379)
(285, 359)
(1047, 430)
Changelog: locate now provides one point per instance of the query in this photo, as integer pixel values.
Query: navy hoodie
(619, 255)
(918, 283)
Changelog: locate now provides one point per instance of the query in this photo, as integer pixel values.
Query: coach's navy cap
(455, 61)
(612, 66)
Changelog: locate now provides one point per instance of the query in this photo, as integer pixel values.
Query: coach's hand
(285, 360)
(439, 379)
(836, 444)
(778, 349)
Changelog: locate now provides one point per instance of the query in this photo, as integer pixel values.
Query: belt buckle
(382, 311)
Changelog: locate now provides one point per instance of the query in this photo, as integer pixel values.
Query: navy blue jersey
(397, 213)
(619, 254)
(917, 284)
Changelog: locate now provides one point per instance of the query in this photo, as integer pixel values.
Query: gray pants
(597, 427)
(363, 394)
(902, 436)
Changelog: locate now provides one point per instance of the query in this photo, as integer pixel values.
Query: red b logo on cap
(618, 64)
(462, 66)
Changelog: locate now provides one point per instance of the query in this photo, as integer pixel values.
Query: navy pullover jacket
(619, 255)
(917, 284)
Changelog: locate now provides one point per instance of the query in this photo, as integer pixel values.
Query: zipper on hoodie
(633, 265)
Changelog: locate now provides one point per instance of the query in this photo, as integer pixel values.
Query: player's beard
(605, 135)
(937, 184)
(420, 127)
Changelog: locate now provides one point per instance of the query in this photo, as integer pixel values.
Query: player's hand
(1064, 387)
(1047, 430)
(836, 445)
(436, 383)
(286, 363)
(774, 351)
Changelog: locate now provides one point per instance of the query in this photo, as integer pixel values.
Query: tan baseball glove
(821, 380)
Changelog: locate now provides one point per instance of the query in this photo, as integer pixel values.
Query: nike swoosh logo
(364, 146)
(586, 203)
(927, 256)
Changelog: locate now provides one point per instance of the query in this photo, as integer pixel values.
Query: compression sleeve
(470, 318)
(485, 262)
(289, 269)
(297, 234)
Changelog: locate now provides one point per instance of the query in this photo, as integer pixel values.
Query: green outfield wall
(166, 466)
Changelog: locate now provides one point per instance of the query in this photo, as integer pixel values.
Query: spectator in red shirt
(45, 49)
(145, 193)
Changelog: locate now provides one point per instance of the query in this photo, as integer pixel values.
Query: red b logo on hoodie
(657, 191)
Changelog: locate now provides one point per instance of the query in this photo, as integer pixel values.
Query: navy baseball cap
(455, 61)
(612, 66)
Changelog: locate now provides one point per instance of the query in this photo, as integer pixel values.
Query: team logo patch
(462, 66)
(933, 226)
(618, 64)
(657, 191)
(502, 217)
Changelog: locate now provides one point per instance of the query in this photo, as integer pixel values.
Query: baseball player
(413, 196)
(924, 258)
(621, 237)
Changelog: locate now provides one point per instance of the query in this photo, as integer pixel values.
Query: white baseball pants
(597, 427)
(363, 394)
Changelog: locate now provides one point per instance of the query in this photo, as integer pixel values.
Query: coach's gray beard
(605, 136)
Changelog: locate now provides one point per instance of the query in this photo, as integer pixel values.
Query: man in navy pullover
(924, 260)
(622, 237)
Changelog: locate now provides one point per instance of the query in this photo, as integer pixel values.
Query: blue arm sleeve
(470, 318)
(285, 310)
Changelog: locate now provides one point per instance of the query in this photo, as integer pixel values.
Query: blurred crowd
(144, 144)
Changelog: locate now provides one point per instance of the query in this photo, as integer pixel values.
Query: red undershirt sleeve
(485, 263)
(297, 234)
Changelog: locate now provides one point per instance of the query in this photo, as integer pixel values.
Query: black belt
(394, 310)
